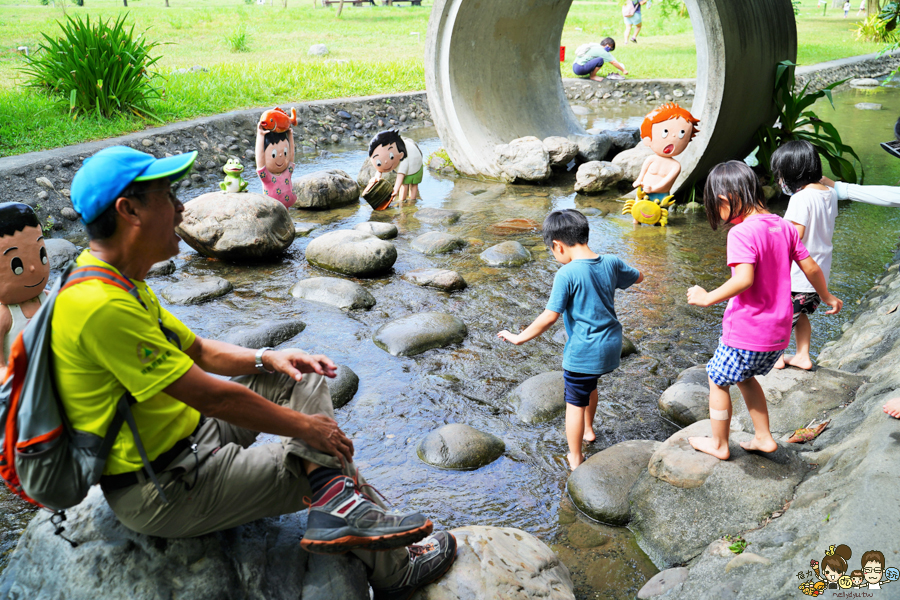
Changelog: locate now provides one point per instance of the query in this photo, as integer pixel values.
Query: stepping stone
(507, 254)
(384, 231)
(439, 216)
(460, 447)
(334, 291)
(441, 279)
(514, 227)
(196, 290)
(437, 242)
(270, 334)
(418, 333)
(325, 190)
(352, 253)
(343, 387)
(160, 269)
(540, 398)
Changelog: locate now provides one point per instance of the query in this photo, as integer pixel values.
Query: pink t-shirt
(759, 318)
(279, 186)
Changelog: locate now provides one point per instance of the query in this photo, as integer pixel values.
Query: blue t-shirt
(584, 292)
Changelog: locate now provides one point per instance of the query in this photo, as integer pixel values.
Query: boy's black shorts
(805, 303)
(578, 387)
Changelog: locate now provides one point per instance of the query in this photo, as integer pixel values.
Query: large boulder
(560, 150)
(367, 172)
(326, 189)
(687, 499)
(506, 254)
(415, 334)
(523, 159)
(268, 334)
(60, 252)
(632, 161)
(442, 279)
(352, 253)
(384, 231)
(592, 147)
(597, 176)
(238, 227)
(501, 562)
(599, 486)
(331, 290)
(261, 559)
(196, 290)
(539, 398)
(687, 400)
(461, 447)
(343, 387)
(437, 242)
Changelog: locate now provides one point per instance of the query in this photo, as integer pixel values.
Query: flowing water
(401, 399)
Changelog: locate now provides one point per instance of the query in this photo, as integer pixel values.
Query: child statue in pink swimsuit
(275, 163)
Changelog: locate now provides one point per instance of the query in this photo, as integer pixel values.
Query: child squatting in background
(584, 293)
(756, 327)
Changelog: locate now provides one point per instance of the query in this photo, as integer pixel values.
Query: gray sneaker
(341, 518)
(428, 561)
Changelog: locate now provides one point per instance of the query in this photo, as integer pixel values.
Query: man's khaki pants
(226, 483)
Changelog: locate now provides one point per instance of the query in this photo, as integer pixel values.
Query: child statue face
(386, 158)
(670, 138)
(24, 268)
(277, 156)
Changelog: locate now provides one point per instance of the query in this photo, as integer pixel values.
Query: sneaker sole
(379, 543)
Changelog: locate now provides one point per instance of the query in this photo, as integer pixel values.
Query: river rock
(261, 559)
(318, 50)
(437, 242)
(597, 176)
(417, 333)
(162, 268)
(332, 290)
(60, 252)
(236, 226)
(461, 447)
(324, 190)
(539, 398)
(868, 106)
(438, 216)
(662, 582)
(196, 290)
(864, 82)
(367, 172)
(351, 253)
(501, 562)
(442, 279)
(343, 387)
(304, 229)
(523, 159)
(624, 139)
(687, 400)
(383, 231)
(687, 499)
(506, 254)
(560, 151)
(514, 227)
(268, 334)
(632, 161)
(592, 147)
(599, 486)
(628, 347)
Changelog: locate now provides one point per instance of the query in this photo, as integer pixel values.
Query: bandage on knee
(718, 415)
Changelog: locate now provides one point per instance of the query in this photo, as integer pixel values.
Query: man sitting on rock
(197, 429)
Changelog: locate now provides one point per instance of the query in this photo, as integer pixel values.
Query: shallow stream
(401, 399)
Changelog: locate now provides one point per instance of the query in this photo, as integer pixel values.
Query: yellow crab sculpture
(647, 211)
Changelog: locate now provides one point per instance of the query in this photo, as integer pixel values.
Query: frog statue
(233, 181)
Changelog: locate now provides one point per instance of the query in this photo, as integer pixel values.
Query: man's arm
(227, 359)
(815, 276)
(540, 325)
(741, 280)
(619, 66)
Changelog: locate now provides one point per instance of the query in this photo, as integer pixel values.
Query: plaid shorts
(729, 366)
(805, 303)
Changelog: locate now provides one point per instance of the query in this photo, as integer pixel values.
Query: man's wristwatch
(259, 363)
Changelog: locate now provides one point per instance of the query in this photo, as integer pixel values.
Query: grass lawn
(373, 50)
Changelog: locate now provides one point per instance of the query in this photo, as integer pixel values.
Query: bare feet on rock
(574, 461)
(780, 364)
(760, 445)
(589, 436)
(595, 78)
(892, 407)
(709, 446)
(800, 362)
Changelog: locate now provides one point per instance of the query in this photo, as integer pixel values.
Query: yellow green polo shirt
(104, 343)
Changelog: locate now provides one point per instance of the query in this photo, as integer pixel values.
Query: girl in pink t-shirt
(756, 327)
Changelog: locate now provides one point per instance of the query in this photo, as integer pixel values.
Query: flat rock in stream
(686, 499)
(440, 216)
(437, 242)
(196, 290)
(539, 398)
(268, 334)
(442, 279)
(332, 290)
(461, 447)
(515, 226)
(599, 486)
(162, 268)
(417, 333)
(343, 387)
(325, 190)
(352, 253)
(383, 231)
(506, 254)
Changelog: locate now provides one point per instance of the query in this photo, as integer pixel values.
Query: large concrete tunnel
(492, 74)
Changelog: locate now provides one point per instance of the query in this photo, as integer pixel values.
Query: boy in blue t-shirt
(584, 292)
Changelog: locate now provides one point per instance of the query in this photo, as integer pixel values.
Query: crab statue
(647, 211)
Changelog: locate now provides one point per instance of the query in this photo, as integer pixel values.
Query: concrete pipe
(492, 75)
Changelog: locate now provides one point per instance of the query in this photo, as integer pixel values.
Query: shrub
(98, 67)
(239, 40)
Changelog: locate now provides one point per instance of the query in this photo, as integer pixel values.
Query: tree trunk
(167, 3)
(873, 7)
(340, 8)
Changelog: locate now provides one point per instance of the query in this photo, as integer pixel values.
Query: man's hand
(697, 296)
(294, 363)
(835, 303)
(510, 337)
(325, 435)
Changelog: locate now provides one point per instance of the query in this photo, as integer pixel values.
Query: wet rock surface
(442, 279)
(268, 334)
(597, 176)
(437, 242)
(60, 253)
(351, 253)
(438, 216)
(415, 334)
(161, 269)
(631, 161)
(687, 400)
(325, 189)
(332, 290)
(506, 254)
(367, 172)
(343, 387)
(523, 159)
(459, 446)
(560, 151)
(662, 582)
(539, 398)
(303, 229)
(384, 231)
(196, 290)
(236, 227)
(592, 147)
(514, 227)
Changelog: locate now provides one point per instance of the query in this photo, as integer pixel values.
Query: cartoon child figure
(390, 152)
(857, 578)
(667, 131)
(834, 565)
(24, 271)
(275, 163)
(873, 568)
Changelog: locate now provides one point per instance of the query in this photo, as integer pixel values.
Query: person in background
(631, 12)
(846, 8)
(862, 8)
(590, 58)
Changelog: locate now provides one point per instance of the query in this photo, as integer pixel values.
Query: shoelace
(307, 501)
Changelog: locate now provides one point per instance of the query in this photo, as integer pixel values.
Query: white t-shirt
(816, 210)
(412, 162)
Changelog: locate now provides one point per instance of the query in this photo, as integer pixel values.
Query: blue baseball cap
(104, 176)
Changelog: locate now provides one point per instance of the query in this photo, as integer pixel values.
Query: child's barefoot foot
(803, 362)
(574, 461)
(780, 364)
(892, 407)
(709, 446)
(589, 436)
(595, 78)
(758, 445)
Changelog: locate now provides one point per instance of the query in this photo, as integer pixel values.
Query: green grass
(381, 54)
